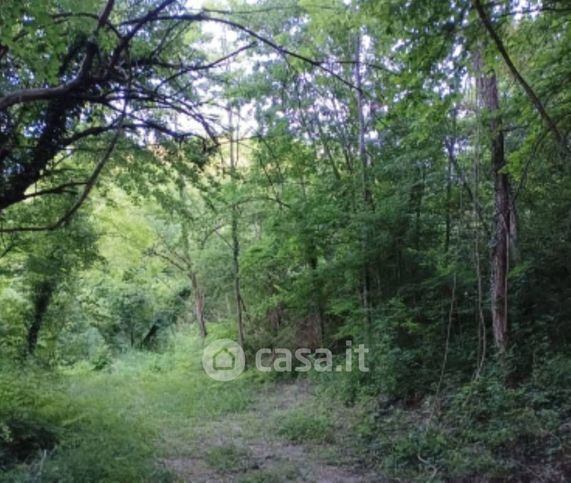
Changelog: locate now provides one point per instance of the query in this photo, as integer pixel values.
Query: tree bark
(488, 94)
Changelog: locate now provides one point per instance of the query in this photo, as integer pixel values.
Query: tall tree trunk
(488, 93)
(450, 146)
(476, 217)
(197, 291)
(234, 155)
(367, 195)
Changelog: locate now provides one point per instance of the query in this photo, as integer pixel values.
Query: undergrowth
(488, 428)
(83, 424)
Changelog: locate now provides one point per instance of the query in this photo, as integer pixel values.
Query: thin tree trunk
(197, 291)
(198, 304)
(367, 195)
(419, 195)
(234, 154)
(450, 145)
(450, 151)
(317, 302)
(482, 335)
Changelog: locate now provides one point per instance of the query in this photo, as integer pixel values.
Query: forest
(285, 240)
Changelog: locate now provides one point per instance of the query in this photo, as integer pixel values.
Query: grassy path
(281, 436)
(158, 418)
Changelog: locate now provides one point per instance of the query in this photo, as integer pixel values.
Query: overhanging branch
(89, 184)
(551, 125)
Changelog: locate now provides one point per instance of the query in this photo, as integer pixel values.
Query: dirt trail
(245, 447)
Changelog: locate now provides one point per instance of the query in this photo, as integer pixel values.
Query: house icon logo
(223, 360)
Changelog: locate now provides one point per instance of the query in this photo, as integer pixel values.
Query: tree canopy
(292, 174)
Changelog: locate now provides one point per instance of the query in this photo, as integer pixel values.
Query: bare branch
(203, 17)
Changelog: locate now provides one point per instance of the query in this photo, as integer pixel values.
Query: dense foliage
(394, 173)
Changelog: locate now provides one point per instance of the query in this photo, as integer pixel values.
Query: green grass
(281, 472)
(111, 425)
(301, 427)
(229, 458)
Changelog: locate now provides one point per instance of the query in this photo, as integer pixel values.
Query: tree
(56, 259)
(179, 254)
(504, 219)
(126, 69)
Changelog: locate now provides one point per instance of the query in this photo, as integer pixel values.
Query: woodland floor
(247, 446)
